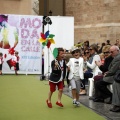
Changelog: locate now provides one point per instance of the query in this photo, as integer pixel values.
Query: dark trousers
(101, 90)
(68, 82)
(85, 81)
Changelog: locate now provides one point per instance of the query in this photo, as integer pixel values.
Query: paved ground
(100, 108)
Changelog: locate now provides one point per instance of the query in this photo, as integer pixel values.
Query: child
(16, 62)
(1, 62)
(75, 67)
(56, 77)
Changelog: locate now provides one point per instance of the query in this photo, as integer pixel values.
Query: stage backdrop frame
(63, 29)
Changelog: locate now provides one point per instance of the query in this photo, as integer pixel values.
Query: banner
(21, 33)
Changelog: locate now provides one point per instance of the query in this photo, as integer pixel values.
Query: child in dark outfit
(56, 77)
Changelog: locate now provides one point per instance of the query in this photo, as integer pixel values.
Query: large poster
(21, 33)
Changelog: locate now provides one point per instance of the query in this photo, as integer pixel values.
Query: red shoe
(49, 104)
(59, 104)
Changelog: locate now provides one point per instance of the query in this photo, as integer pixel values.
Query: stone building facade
(94, 20)
(22, 7)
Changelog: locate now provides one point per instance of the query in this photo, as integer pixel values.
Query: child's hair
(60, 49)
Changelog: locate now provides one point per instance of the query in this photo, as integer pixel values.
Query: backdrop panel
(63, 29)
(21, 33)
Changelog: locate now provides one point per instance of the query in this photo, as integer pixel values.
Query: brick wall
(95, 20)
(23, 7)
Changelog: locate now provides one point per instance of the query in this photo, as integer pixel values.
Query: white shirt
(76, 67)
(93, 66)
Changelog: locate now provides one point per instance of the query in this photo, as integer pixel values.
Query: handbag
(117, 76)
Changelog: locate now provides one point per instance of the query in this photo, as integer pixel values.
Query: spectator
(108, 59)
(102, 67)
(94, 57)
(100, 50)
(86, 43)
(101, 86)
(105, 51)
(108, 42)
(116, 96)
(117, 43)
(87, 73)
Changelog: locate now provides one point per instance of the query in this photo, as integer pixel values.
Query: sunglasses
(86, 52)
(111, 51)
(90, 49)
(106, 52)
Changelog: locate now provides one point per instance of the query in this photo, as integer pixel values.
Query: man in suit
(116, 97)
(101, 86)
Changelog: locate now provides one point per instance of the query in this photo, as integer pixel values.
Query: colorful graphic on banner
(21, 33)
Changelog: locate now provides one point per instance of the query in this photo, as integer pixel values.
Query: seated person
(116, 97)
(103, 93)
(90, 64)
(103, 67)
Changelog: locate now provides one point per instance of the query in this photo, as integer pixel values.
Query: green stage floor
(24, 98)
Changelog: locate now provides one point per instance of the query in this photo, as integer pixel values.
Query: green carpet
(23, 98)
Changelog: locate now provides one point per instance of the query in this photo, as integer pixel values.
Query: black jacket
(108, 60)
(56, 73)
